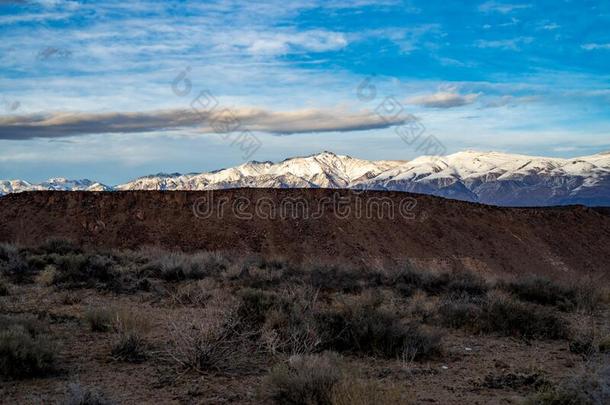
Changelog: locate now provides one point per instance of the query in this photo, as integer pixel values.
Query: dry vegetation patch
(212, 327)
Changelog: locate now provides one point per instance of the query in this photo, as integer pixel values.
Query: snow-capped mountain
(59, 183)
(322, 170)
(486, 177)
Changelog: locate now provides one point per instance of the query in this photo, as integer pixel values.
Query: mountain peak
(487, 177)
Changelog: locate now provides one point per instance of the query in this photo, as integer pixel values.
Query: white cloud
(444, 99)
(282, 42)
(594, 46)
(551, 26)
(503, 8)
(513, 44)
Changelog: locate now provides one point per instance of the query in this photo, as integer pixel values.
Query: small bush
(588, 387)
(215, 344)
(13, 266)
(543, 291)
(290, 326)
(459, 312)
(583, 344)
(32, 325)
(254, 305)
(458, 283)
(81, 270)
(79, 395)
(178, 266)
(512, 318)
(304, 380)
(118, 319)
(322, 379)
(130, 347)
(47, 276)
(192, 294)
(364, 327)
(24, 353)
(130, 327)
(503, 315)
(99, 319)
(433, 283)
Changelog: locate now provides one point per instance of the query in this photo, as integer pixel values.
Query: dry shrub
(13, 265)
(257, 272)
(457, 312)
(195, 293)
(290, 326)
(324, 379)
(254, 305)
(421, 306)
(501, 314)
(127, 320)
(130, 347)
(178, 266)
(589, 386)
(512, 318)
(119, 319)
(25, 349)
(212, 340)
(584, 296)
(304, 380)
(130, 327)
(363, 326)
(334, 277)
(47, 276)
(99, 319)
(85, 271)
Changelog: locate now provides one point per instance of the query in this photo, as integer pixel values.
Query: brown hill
(319, 224)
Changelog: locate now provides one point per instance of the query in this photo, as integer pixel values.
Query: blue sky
(82, 83)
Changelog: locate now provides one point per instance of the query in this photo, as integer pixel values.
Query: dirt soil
(318, 224)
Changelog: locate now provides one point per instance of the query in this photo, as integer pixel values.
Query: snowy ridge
(60, 183)
(486, 177)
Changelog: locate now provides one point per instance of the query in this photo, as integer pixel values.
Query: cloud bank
(65, 124)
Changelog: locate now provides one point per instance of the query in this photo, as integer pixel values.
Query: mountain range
(485, 177)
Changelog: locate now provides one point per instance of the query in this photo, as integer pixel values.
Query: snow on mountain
(486, 177)
(60, 183)
(322, 170)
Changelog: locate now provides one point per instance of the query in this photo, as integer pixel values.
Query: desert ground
(155, 326)
(129, 298)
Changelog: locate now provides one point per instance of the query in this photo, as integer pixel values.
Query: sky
(113, 90)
